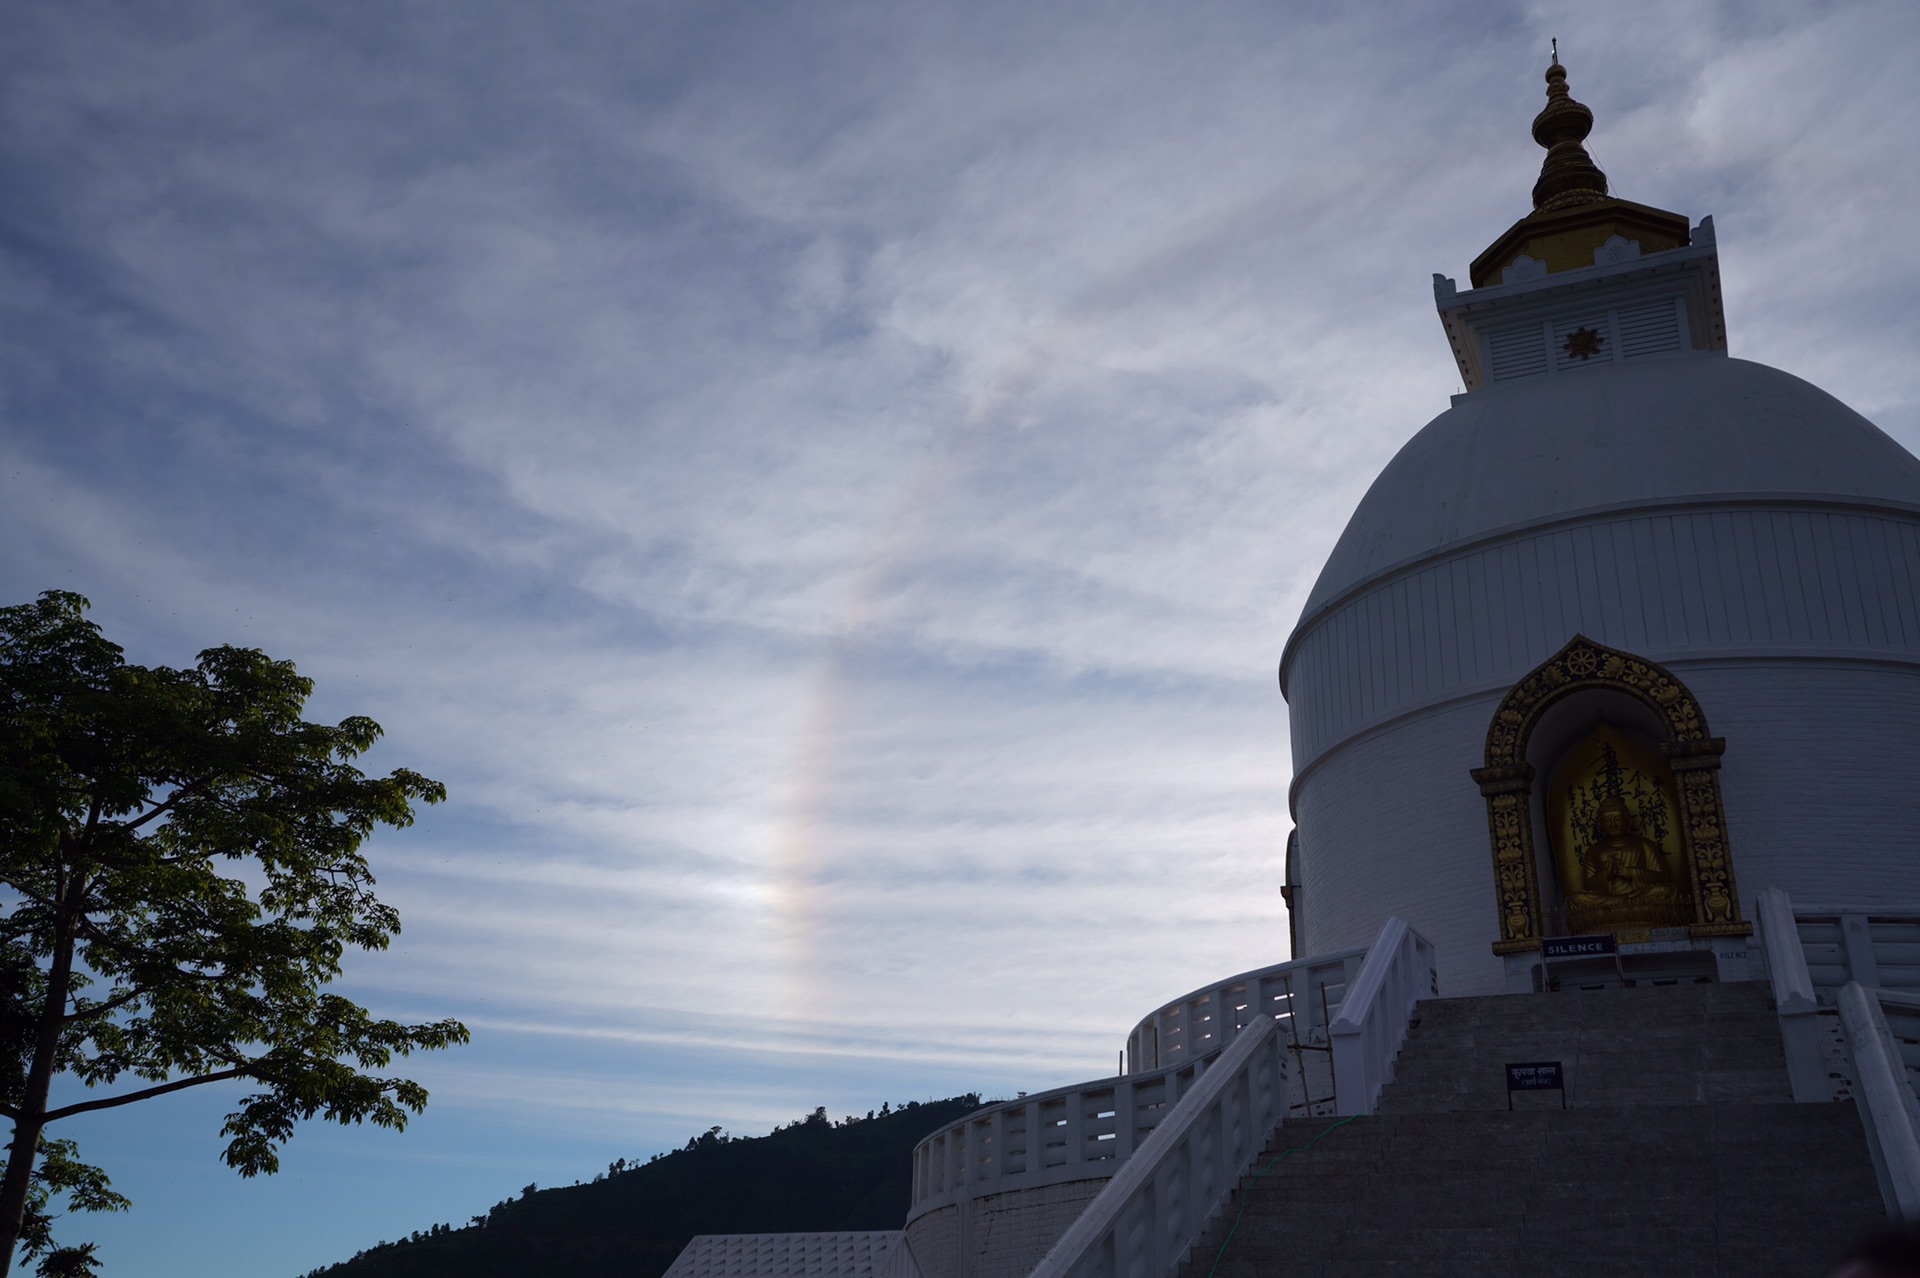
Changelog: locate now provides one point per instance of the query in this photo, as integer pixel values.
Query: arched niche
(1591, 744)
(1551, 710)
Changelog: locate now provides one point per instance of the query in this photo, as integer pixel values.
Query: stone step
(1702, 1210)
(1677, 1155)
(1711, 1044)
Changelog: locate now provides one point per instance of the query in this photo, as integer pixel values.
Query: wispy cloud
(827, 490)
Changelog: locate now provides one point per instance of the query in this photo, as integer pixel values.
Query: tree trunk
(25, 1149)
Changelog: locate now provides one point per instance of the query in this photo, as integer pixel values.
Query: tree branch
(145, 1093)
(42, 901)
(179, 792)
(109, 1005)
(132, 995)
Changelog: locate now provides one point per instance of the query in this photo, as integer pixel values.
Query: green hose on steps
(1248, 1191)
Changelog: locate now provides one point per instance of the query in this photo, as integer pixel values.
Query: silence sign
(1565, 947)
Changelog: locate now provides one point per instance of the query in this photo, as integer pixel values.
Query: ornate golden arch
(1690, 750)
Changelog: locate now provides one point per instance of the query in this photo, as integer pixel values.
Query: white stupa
(1622, 565)
(1621, 653)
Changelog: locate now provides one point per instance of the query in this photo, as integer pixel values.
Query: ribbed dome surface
(1642, 434)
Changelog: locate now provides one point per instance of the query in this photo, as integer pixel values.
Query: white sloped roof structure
(849, 1254)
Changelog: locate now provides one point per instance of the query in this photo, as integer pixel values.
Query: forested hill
(632, 1220)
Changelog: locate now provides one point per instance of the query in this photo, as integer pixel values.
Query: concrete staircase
(1680, 1153)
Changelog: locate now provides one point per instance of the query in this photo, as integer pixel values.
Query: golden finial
(1569, 175)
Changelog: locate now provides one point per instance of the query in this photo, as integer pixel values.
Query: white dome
(1658, 433)
(1748, 531)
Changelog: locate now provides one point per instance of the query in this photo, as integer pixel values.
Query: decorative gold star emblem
(1583, 343)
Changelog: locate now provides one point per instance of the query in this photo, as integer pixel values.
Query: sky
(825, 486)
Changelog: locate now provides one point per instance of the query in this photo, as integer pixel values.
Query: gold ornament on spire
(1574, 217)
(1568, 176)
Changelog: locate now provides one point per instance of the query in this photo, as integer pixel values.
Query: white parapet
(1302, 994)
(992, 1191)
(1148, 1216)
(1070, 1133)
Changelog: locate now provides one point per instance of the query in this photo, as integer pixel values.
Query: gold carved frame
(1690, 750)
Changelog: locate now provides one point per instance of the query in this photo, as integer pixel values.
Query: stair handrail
(1795, 1003)
(1372, 1024)
(900, 1262)
(1147, 1218)
(1888, 1108)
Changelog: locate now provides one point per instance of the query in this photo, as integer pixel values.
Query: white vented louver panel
(1517, 352)
(1650, 330)
(1582, 343)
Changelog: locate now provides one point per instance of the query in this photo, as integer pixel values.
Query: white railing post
(1795, 1003)
(1856, 943)
(1888, 1109)
(1373, 1017)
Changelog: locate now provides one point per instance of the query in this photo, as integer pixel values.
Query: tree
(180, 875)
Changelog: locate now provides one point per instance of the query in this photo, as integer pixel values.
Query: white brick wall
(935, 1240)
(1785, 579)
(1821, 781)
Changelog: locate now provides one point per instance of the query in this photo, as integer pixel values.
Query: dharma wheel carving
(1690, 750)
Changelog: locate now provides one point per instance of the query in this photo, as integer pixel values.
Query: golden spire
(1573, 216)
(1569, 175)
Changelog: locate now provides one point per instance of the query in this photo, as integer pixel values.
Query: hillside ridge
(812, 1175)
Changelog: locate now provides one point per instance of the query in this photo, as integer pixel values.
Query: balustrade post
(1076, 1130)
(1308, 1003)
(1856, 944)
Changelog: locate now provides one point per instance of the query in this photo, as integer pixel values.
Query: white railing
(1372, 1024)
(1070, 1133)
(1888, 1108)
(1863, 963)
(1795, 1001)
(1303, 995)
(1878, 947)
(1156, 1206)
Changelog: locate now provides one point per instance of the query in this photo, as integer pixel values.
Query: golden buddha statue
(1627, 882)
